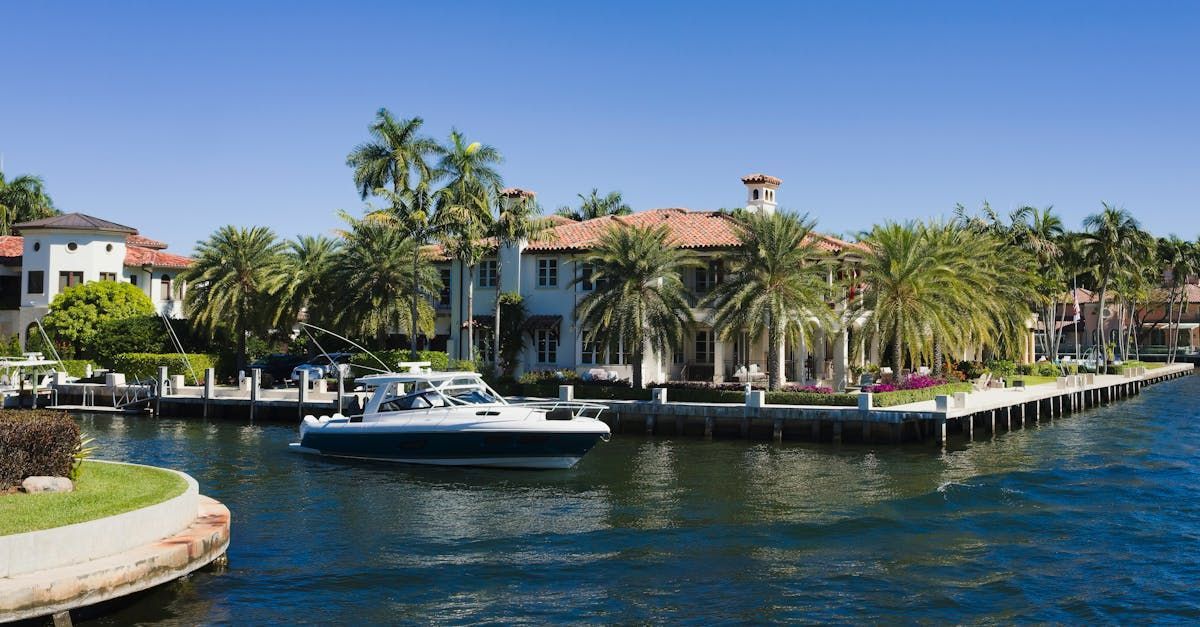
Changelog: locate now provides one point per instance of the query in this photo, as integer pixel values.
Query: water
(1093, 518)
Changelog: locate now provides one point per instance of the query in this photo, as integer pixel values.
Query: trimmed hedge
(77, 367)
(36, 443)
(141, 366)
(904, 397)
(811, 398)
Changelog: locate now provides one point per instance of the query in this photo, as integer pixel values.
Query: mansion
(542, 272)
(49, 255)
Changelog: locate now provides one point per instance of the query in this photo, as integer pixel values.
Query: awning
(542, 323)
(1183, 326)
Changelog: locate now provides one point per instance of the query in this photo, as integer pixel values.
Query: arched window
(755, 194)
(165, 282)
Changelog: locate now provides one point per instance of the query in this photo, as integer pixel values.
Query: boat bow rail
(578, 409)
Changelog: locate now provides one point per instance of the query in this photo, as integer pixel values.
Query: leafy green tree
(238, 281)
(639, 298)
(396, 150)
(77, 312)
(135, 334)
(374, 272)
(595, 206)
(776, 284)
(518, 218)
(21, 199)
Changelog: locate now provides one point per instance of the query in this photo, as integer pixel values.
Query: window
(707, 277)
(483, 347)
(546, 342)
(617, 353)
(585, 277)
(68, 279)
(547, 270)
(108, 248)
(591, 352)
(165, 287)
(487, 273)
(133, 279)
(37, 282)
(108, 276)
(705, 347)
(444, 296)
(72, 246)
(755, 194)
(677, 357)
(37, 246)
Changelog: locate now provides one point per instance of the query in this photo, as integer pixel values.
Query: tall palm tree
(414, 212)
(518, 218)
(311, 260)
(776, 282)
(375, 273)
(595, 206)
(1179, 262)
(236, 282)
(465, 208)
(1111, 242)
(639, 298)
(396, 151)
(23, 198)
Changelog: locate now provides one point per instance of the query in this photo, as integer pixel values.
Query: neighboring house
(1150, 323)
(54, 253)
(542, 272)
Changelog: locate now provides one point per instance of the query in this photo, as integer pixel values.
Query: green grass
(100, 490)
(1033, 379)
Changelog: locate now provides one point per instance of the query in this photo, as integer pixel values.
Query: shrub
(560, 377)
(136, 334)
(1002, 368)
(141, 366)
(1045, 369)
(1025, 369)
(972, 369)
(810, 398)
(903, 397)
(35, 443)
(811, 389)
(438, 360)
(77, 312)
(77, 367)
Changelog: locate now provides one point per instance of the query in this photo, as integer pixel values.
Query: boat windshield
(398, 396)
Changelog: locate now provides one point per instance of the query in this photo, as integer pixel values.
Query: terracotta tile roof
(761, 178)
(145, 242)
(688, 229)
(140, 256)
(555, 219)
(517, 192)
(11, 249)
(75, 222)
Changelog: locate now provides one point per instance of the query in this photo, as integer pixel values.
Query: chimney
(760, 192)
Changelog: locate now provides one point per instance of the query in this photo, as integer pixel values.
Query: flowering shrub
(912, 382)
(813, 389)
(549, 376)
(881, 387)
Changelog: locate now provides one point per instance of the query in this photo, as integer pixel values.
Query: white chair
(923, 370)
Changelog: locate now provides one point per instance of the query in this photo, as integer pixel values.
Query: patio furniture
(982, 382)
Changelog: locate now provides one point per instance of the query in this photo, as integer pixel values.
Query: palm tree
(1111, 243)
(395, 151)
(311, 260)
(413, 211)
(776, 283)
(518, 218)
(374, 271)
(21, 199)
(1179, 261)
(595, 206)
(639, 298)
(236, 279)
(465, 209)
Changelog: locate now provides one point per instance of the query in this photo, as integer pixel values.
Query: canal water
(1093, 518)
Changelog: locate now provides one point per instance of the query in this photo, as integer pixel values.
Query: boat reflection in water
(454, 419)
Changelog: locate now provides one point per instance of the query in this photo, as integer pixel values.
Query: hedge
(904, 397)
(141, 366)
(811, 398)
(36, 443)
(77, 367)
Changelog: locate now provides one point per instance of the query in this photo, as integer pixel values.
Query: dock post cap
(415, 367)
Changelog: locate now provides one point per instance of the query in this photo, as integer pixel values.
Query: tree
(465, 210)
(518, 218)
(136, 334)
(639, 298)
(310, 263)
(375, 275)
(238, 281)
(595, 206)
(1178, 260)
(395, 151)
(22, 199)
(1111, 242)
(77, 312)
(775, 283)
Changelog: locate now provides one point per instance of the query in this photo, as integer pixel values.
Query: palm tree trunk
(939, 358)
(471, 313)
(241, 341)
(897, 355)
(412, 308)
(1102, 356)
(496, 323)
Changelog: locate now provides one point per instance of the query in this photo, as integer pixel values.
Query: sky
(177, 118)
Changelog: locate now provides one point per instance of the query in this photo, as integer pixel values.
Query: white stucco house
(542, 272)
(49, 255)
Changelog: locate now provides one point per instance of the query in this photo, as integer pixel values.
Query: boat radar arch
(416, 367)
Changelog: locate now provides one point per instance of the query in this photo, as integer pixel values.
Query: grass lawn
(101, 490)
(1033, 379)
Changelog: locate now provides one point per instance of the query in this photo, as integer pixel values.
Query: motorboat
(454, 419)
(21, 376)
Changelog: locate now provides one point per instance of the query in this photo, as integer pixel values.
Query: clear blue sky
(179, 117)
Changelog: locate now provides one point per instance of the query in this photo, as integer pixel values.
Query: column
(718, 361)
(780, 364)
(802, 358)
(841, 349)
(819, 355)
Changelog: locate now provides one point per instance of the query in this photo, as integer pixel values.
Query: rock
(47, 484)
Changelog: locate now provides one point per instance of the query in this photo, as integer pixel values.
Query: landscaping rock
(47, 484)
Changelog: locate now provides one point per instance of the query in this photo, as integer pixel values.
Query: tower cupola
(760, 192)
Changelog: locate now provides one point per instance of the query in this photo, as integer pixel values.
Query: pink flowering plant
(912, 382)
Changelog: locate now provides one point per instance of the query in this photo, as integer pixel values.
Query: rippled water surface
(1092, 518)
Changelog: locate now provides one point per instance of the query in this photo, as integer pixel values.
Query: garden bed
(100, 490)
